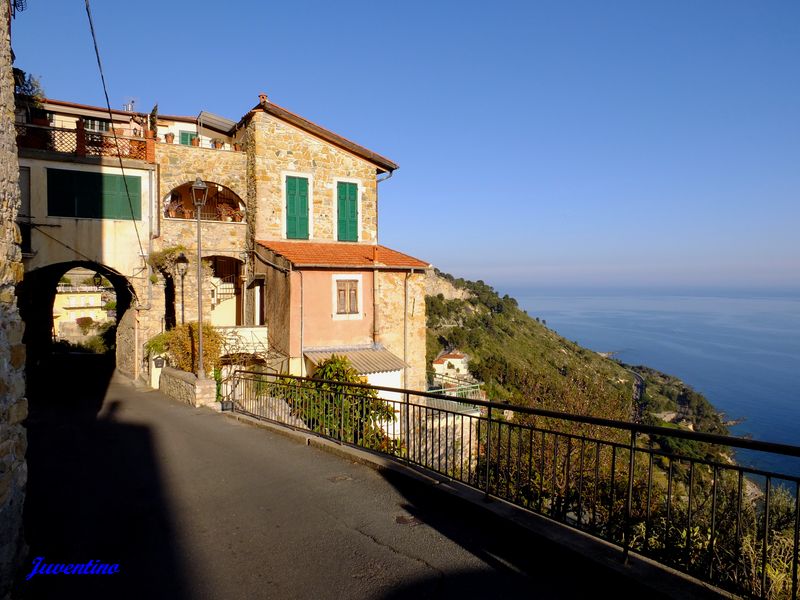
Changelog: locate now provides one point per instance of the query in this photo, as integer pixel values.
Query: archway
(222, 204)
(47, 361)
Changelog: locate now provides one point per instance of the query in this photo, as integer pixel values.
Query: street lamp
(199, 195)
(182, 264)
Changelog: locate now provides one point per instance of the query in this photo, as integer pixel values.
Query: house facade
(289, 232)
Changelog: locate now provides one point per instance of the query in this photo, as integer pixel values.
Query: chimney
(262, 98)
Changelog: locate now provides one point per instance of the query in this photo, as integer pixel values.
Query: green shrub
(180, 345)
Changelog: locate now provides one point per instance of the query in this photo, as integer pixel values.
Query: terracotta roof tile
(340, 254)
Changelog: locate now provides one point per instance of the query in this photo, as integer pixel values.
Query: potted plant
(237, 146)
(225, 212)
(195, 141)
(218, 143)
(173, 207)
(169, 137)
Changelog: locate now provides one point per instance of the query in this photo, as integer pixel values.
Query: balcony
(79, 142)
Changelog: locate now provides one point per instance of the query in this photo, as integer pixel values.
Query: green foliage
(180, 345)
(110, 305)
(28, 88)
(65, 280)
(152, 120)
(103, 342)
(520, 360)
(336, 409)
(90, 281)
(164, 260)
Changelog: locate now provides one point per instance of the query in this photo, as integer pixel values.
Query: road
(192, 504)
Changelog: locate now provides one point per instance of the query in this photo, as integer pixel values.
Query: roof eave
(383, 163)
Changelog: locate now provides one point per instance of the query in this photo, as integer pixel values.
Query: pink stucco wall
(320, 328)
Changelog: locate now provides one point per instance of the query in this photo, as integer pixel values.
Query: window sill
(347, 317)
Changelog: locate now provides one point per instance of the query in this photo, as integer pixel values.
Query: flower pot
(169, 137)
(195, 141)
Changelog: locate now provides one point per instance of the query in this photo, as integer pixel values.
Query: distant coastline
(740, 349)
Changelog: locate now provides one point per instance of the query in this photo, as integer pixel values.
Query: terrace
(83, 143)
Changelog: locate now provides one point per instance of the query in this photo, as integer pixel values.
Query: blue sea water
(742, 351)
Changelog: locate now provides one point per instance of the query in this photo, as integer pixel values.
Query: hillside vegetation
(521, 361)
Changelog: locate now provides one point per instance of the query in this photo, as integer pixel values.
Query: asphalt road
(191, 504)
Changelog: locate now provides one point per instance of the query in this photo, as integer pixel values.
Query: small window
(346, 297)
(98, 125)
(187, 137)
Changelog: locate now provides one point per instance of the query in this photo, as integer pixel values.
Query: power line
(114, 133)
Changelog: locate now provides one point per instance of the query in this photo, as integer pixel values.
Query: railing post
(233, 391)
(626, 541)
(341, 418)
(408, 429)
(488, 450)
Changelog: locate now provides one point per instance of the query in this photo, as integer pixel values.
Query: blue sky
(541, 144)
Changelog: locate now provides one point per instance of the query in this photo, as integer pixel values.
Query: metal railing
(81, 142)
(669, 494)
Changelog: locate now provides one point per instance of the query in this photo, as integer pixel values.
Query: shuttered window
(297, 208)
(93, 195)
(187, 137)
(347, 211)
(346, 297)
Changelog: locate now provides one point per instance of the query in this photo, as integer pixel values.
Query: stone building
(113, 192)
(13, 405)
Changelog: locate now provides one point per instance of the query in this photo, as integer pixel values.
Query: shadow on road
(94, 490)
(521, 562)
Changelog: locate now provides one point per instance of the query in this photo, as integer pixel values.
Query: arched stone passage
(36, 294)
(222, 204)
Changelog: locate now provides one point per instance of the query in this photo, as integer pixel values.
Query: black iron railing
(673, 495)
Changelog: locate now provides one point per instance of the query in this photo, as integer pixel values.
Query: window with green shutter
(187, 137)
(347, 211)
(90, 195)
(297, 208)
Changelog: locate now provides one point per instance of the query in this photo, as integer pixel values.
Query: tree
(331, 405)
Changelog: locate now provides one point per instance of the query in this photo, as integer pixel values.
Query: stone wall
(280, 149)
(179, 164)
(390, 306)
(186, 388)
(13, 405)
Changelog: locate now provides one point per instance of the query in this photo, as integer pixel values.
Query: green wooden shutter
(93, 195)
(347, 211)
(186, 137)
(115, 197)
(297, 208)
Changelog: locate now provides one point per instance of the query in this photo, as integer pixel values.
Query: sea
(740, 349)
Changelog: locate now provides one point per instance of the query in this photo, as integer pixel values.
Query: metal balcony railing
(669, 494)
